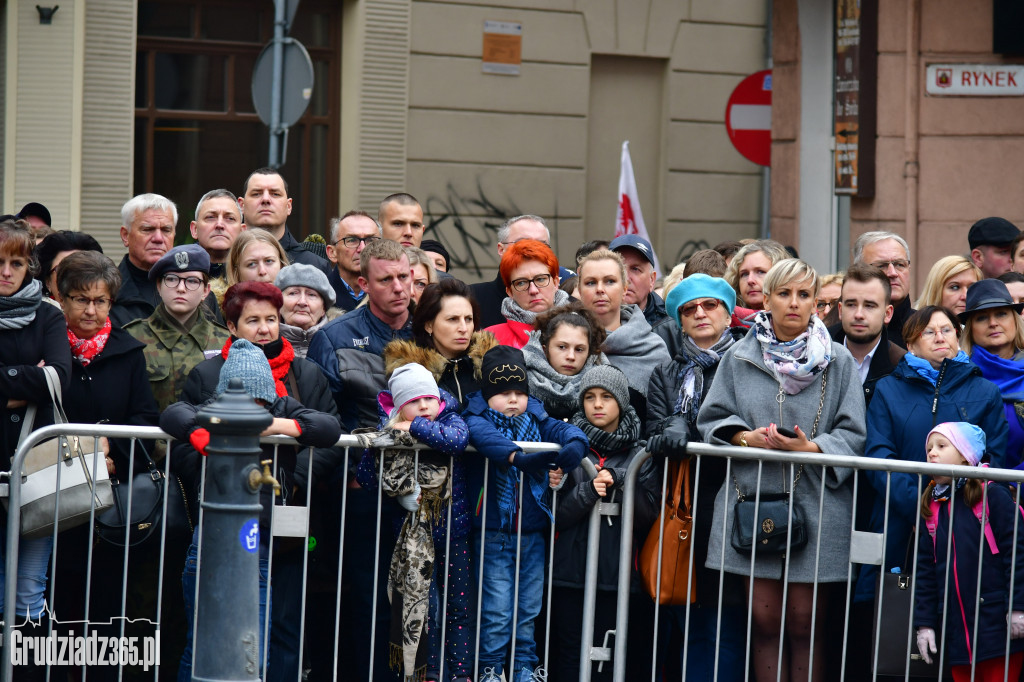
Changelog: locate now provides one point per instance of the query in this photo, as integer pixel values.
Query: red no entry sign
(748, 117)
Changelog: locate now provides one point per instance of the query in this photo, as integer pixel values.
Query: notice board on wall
(854, 96)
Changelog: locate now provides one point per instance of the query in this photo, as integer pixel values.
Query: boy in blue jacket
(501, 413)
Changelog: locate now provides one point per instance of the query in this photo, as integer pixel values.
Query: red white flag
(628, 218)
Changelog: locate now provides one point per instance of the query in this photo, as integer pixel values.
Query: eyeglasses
(353, 242)
(540, 281)
(900, 265)
(826, 303)
(191, 283)
(932, 333)
(83, 302)
(707, 306)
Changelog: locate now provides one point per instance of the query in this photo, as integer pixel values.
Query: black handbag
(766, 520)
(890, 646)
(773, 525)
(147, 508)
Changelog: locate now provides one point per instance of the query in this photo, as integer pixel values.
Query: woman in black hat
(994, 338)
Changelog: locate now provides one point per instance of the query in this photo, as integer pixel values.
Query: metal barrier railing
(865, 549)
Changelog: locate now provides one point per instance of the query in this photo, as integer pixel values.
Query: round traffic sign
(296, 82)
(748, 117)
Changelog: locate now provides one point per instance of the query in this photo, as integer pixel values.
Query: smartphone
(788, 433)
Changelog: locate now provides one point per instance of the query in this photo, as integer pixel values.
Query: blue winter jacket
(448, 436)
(898, 421)
(488, 441)
(961, 583)
(349, 351)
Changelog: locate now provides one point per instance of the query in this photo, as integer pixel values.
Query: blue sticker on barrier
(249, 536)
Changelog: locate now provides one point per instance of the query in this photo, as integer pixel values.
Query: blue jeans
(496, 609)
(188, 586)
(33, 560)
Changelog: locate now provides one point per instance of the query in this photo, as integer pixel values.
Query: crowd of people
(743, 344)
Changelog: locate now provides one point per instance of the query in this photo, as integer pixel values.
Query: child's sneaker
(491, 676)
(539, 675)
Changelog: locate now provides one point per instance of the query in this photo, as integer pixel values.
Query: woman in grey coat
(777, 377)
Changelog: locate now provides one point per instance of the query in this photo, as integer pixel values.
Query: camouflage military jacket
(172, 351)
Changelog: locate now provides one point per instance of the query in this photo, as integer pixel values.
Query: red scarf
(279, 365)
(85, 350)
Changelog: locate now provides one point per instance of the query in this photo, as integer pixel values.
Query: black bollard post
(226, 635)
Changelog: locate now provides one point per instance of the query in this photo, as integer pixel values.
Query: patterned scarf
(925, 369)
(412, 563)
(510, 310)
(279, 354)
(18, 309)
(691, 374)
(522, 428)
(797, 363)
(603, 443)
(84, 350)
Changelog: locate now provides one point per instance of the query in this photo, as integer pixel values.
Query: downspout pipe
(911, 138)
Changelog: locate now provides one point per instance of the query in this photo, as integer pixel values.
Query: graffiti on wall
(688, 248)
(467, 225)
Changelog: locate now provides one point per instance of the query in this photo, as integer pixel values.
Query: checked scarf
(522, 428)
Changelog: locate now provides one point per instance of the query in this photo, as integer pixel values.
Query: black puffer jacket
(319, 430)
(114, 388)
(313, 393)
(666, 383)
(460, 376)
(21, 378)
(575, 502)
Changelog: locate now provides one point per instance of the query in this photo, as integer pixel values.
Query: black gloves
(533, 462)
(665, 445)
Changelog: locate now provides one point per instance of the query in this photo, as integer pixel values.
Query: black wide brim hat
(987, 294)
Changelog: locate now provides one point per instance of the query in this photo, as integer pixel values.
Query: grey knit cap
(410, 382)
(610, 379)
(248, 363)
(302, 275)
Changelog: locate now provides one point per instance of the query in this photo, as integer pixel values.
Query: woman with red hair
(251, 310)
(529, 269)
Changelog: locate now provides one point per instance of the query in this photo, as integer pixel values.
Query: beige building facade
(115, 97)
(942, 161)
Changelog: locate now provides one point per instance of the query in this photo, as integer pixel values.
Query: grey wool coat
(743, 396)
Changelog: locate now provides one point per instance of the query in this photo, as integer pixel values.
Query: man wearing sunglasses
(349, 235)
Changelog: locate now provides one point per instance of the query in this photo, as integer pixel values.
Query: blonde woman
(747, 270)
(947, 283)
(256, 256)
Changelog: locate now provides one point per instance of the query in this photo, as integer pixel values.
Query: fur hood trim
(398, 353)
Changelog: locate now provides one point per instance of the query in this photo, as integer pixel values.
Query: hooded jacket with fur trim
(459, 377)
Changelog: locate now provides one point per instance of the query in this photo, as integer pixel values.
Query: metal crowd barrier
(294, 522)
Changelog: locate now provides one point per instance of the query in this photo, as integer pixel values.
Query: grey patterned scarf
(19, 309)
(691, 373)
(510, 310)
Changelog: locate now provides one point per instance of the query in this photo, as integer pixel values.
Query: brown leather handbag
(678, 585)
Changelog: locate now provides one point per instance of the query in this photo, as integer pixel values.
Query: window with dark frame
(195, 125)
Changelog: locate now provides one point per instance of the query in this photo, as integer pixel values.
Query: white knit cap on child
(410, 382)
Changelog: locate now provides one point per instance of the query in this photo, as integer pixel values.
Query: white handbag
(60, 470)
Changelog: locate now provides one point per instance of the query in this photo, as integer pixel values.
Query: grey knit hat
(302, 275)
(248, 363)
(610, 379)
(410, 382)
